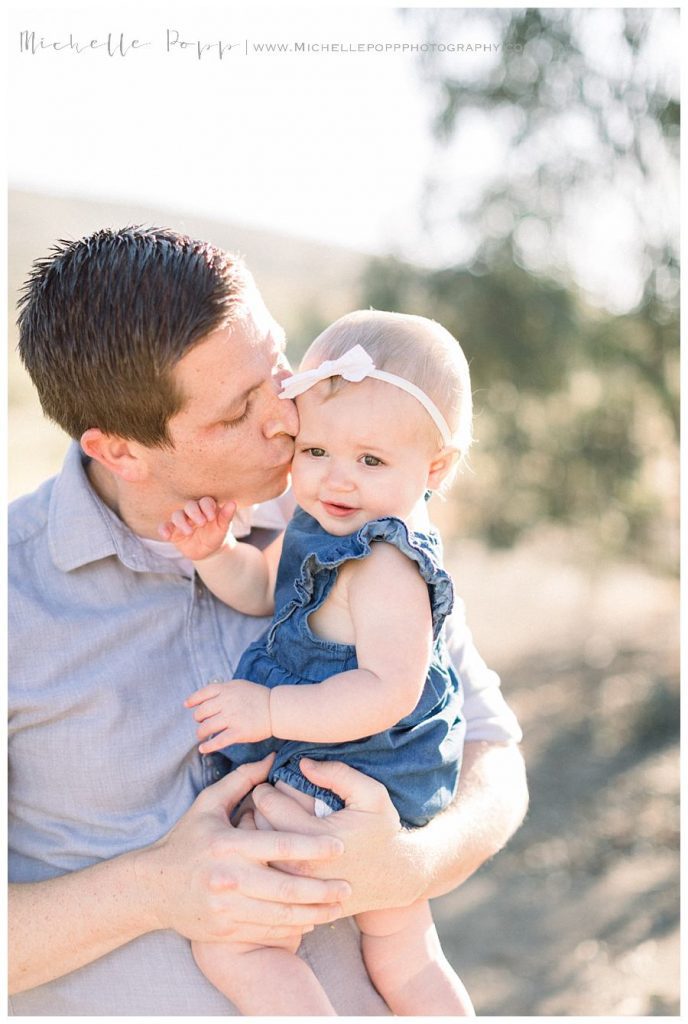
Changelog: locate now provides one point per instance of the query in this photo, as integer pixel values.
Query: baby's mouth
(336, 509)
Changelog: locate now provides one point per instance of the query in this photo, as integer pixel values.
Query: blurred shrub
(577, 412)
(565, 426)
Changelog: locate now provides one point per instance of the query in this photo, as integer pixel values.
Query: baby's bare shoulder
(385, 563)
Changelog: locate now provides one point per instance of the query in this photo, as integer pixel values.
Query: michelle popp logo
(173, 42)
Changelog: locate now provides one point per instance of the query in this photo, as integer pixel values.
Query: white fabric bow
(354, 366)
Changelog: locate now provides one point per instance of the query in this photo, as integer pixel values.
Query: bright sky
(329, 145)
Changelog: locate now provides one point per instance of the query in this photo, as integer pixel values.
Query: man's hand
(389, 866)
(200, 528)
(234, 712)
(210, 881)
(377, 861)
(204, 879)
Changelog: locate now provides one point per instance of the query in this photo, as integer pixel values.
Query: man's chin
(276, 486)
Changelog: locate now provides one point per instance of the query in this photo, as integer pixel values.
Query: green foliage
(562, 413)
(575, 405)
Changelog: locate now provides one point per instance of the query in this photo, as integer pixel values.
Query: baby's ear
(441, 466)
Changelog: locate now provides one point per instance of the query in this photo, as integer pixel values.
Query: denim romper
(419, 758)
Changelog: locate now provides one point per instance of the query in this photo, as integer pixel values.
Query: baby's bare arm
(390, 613)
(239, 574)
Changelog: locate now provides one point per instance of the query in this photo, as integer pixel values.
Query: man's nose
(282, 417)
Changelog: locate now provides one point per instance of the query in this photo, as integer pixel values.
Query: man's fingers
(284, 813)
(244, 909)
(231, 789)
(259, 935)
(357, 790)
(285, 846)
(273, 886)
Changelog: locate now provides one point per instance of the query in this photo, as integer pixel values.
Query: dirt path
(579, 915)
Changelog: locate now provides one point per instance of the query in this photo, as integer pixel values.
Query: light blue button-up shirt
(106, 639)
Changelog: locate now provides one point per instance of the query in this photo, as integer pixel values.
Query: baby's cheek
(299, 477)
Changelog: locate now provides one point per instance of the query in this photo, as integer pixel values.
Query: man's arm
(490, 805)
(388, 866)
(204, 879)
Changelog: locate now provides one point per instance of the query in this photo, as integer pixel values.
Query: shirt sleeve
(488, 716)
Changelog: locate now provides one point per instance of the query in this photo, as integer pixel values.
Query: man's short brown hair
(103, 321)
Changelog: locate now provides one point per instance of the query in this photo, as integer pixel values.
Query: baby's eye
(317, 453)
(372, 460)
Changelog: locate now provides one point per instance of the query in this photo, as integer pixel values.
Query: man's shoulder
(28, 516)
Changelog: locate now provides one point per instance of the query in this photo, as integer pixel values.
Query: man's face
(233, 438)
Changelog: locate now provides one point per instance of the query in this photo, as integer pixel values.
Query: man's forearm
(200, 880)
(490, 805)
(58, 925)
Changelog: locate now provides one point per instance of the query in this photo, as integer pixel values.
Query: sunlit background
(513, 174)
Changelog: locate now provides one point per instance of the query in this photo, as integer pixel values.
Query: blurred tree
(573, 398)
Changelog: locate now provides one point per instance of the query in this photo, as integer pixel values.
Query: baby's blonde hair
(412, 347)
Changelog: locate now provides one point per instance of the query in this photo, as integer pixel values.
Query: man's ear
(441, 466)
(122, 457)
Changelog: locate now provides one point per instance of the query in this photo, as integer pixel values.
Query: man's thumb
(232, 789)
(358, 791)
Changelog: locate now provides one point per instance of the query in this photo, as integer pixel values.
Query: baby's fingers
(165, 530)
(196, 512)
(208, 507)
(210, 726)
(205, 693)
(218, 742)
(226, 512)
(181, 523)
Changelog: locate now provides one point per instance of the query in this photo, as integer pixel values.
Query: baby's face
(362, 453)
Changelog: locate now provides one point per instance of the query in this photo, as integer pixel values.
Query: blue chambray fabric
(106, 639)
(418, 759)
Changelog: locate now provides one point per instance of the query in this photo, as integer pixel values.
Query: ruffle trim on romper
(389, 530)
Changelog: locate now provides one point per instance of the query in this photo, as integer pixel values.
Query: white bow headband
(354, 366)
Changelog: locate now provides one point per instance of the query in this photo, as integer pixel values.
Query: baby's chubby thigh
(219, 961)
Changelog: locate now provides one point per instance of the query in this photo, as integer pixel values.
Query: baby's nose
(338, 477)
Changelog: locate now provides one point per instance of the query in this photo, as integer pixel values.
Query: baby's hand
(234, 712)
(199, 529)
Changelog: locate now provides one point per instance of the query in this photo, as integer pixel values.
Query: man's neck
(135, 509)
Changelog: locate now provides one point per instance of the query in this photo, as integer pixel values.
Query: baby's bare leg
(263, 981)
(404, 959)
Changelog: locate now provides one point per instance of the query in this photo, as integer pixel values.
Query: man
(156, 353)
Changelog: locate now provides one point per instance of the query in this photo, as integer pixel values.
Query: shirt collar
(82, 529)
